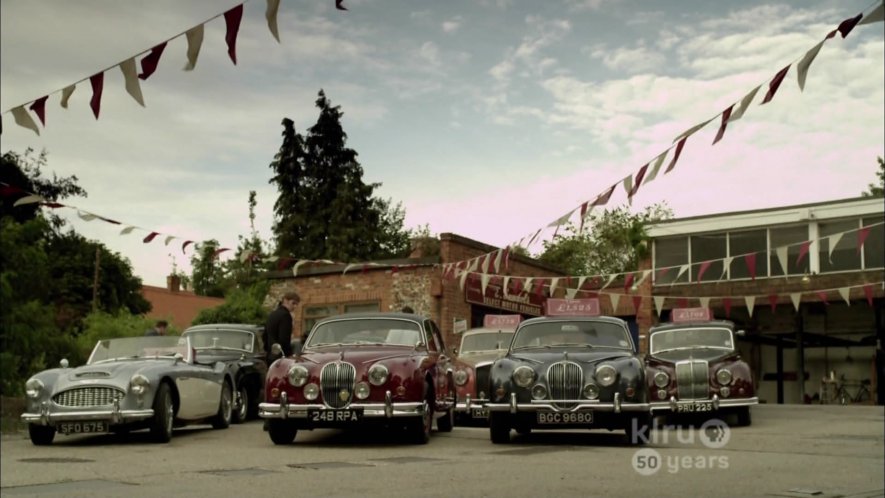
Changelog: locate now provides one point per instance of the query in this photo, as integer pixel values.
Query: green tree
(208, 276)
(240, 306)
(21, 175)
(877, 190)
(244, 268)
(613, 241)
(324, 209)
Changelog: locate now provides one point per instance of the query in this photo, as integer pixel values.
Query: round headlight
(378, 374)
(311, 391)
(662, 379)
(461, 377)
(298, 375)
(591, 391)
(33, 388)
(662, 394)
(361, 390)
(539, 391)
(138, 384)
(523, 376)
(606, 375)
(723, 376)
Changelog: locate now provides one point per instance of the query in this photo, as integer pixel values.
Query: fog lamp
(311, 391)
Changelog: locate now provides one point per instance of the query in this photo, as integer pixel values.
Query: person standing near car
(278, 328)
(159, 328)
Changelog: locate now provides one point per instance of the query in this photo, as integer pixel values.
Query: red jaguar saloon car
(361, 369)
(693, 366)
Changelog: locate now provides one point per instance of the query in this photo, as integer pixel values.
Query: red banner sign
(501, 321)
(691, 315)
(573, 307)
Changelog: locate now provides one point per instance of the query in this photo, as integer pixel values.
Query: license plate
(350, 415)
(82, 427)
(696, 407)
(479, 413)
(554, 418)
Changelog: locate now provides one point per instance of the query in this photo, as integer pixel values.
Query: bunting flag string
(632, 182)
(194, 36)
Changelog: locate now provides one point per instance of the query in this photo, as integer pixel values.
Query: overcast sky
(488, 118)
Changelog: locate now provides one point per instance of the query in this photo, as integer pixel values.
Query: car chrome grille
(336, 383)
(564, 381)
(482, 381)
(692, 379)
(88, 396)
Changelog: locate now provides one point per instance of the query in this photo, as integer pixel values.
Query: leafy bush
(100, 325)
(240, 306)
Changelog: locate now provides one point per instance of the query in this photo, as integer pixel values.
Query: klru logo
(713, 433)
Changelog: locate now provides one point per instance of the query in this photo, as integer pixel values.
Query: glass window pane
(670, 251)
(792, 237)
(844, 256)
(743, 243)
(707, 247)
(361, 307)
(320, 311)
(874, 246)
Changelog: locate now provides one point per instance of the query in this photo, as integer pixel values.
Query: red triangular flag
(774, 84)
(637, 181)
(583, 214)
(150, 237)
(703, 269)
(219, 251)
(868, 291)
(232, 20)
(751, 264)
(862, 235)
(396, 269)
(772, 300)
(637, 300)
(823, 297)
(39, 108)
(603, 198)
(726, 303)
(679, 147)
(539, 287)
(339, 4)
(803, 250)
(682, 302)
(725, 115)
(97, 81)
(150, 61)
(662, 273)
(186, 243)
(283, 261)
(847, 25)
(506, 258)
(628, 281)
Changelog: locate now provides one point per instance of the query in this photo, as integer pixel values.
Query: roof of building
(179, 307)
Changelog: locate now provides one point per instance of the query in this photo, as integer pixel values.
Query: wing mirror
(63, 363)
(297, 346)
(740, 333)
(455, 351)
(276, 350)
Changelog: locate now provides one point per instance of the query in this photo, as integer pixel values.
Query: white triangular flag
(553, 282)
(796, 297)
(463, 279)
(297, 264)
(659, 303)
(498, 257)
(615, 299)
(506, 286)
(750, 300)
(194, 43)
(689, 132)
(845, 293)
(169, 239)
(127, 230)
(29, 199)
(349, 267)
(130, 76)
(682, 270)
(570, 293)
(245, 256)
(581, 281)
(271, 14)
(645, 275)
(782, 257)
(562, 219)
(705, 302)
(611, 278)
(24, 119)
(66, 95)
(834, 239)
(875, 15)
(86, 216)
(528, 285)
(656, 166)
(745, 103)
(802, 66)
(484, 282)
(726, 264)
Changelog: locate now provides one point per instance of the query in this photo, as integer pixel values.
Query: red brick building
(178, 306)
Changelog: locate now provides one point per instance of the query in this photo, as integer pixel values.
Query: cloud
(638, 59)
(452, 24)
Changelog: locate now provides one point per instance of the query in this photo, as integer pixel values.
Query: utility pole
(95, 279)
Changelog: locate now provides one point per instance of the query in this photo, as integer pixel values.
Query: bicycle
(862, 395)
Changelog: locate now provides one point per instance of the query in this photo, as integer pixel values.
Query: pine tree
(325, 210)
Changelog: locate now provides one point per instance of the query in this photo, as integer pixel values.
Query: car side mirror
(455, 351)
(741, 333)
(297, 346)
(276, 350)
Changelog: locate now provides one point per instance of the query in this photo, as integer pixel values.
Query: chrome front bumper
(468, 405)
(617, 406)
(115, 415)
(388, 409)
(673, 404)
